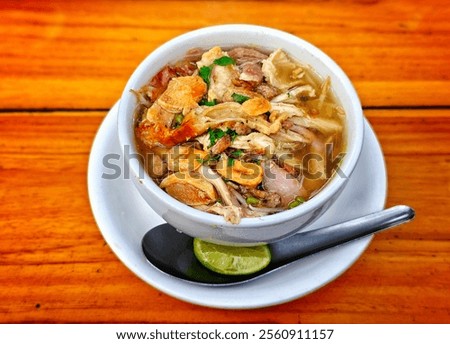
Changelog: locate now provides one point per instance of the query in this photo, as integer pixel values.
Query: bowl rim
(330, 189)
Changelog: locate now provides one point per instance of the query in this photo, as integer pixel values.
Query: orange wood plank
(55, 266)
(64, 54)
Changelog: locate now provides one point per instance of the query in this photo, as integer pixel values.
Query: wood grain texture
(56, 268)
(79, 54)
(64, 63)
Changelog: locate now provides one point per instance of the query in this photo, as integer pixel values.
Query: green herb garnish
(239, 98)
(208, 159)
(205, 73)
(232, 134)
(296, 202)
(224, 61)
(252, 200)
(230, 162)
(214, 158)
(208, 103)
(216, 134)
(177, 120)
(237, 153)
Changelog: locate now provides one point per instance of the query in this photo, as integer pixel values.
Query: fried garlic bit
(244, 173)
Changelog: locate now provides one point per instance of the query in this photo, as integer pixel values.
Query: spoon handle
(310, 242)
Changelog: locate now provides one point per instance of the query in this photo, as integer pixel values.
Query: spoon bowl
(171, 251)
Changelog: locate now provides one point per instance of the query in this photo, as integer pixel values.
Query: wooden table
(64, 64)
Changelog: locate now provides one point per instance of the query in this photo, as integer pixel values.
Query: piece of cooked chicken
(180, 98)
(244, 173)
(282, 71)
(185, 158)
(191, 189)
(255, 142)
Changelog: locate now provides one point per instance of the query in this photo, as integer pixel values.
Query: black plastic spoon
(172, 252)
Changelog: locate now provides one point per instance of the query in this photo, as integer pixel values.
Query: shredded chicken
(231, 213)
(211, 176)
(324, 125)
(282, 71)
(292, 95)
(323, 92)
(188, 189)
(221, 87)
(222, 144)
(255, 142)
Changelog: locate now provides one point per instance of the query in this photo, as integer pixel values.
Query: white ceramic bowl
(250, 230)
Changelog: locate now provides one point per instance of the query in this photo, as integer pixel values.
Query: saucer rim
(183, 292)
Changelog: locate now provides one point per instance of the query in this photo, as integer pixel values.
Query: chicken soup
(239, 132)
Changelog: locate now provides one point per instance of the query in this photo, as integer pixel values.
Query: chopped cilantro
(224, 61)
(239, 98)
(215, 135)
(208, 159)
(177, 120)
(205, 73)
(207, 103)
(230, 162)
(214, 158)
(232, 134)
(237, 153)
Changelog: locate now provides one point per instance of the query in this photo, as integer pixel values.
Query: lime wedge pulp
(231, 260)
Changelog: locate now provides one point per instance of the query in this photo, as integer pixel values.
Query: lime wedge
(231, 260)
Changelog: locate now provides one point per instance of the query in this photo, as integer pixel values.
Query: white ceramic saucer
(123, 218)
